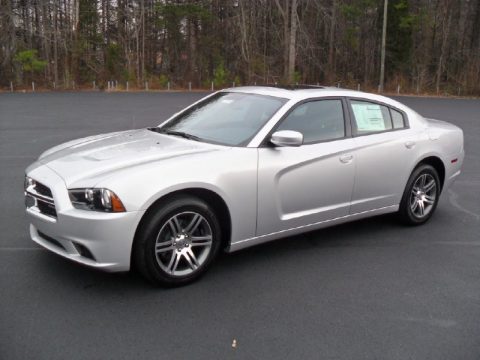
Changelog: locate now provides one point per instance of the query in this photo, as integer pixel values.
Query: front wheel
(177, 241)
(421, 196)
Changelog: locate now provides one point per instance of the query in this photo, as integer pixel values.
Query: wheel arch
(437, 164)
(209, 196)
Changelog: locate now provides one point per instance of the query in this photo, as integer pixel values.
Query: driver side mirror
(286, 138)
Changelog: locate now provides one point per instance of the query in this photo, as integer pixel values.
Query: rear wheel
(177, 241)
(421, 195)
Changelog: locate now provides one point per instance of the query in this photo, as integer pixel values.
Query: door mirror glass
(287, 138)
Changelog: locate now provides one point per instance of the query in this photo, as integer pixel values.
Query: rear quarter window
(398, 120)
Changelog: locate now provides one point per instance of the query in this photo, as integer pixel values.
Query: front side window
(226, 118)
(318, 120)
(370, 117)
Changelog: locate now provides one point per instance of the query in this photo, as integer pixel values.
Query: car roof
(303, 92)
(279, 91)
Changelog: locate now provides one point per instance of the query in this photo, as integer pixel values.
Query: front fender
(231, 174)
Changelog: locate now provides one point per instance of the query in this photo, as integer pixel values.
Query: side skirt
(242, 244)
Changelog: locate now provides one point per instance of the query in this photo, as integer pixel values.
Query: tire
(177, 241)
(421, 195)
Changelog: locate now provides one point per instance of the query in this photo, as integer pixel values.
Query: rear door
(384, 145)
(303, 185)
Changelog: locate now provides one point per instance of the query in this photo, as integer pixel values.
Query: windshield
(225, 118)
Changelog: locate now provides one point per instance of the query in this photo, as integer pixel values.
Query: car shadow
(355, 233)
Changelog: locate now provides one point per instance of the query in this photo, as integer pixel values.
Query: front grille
(39, 198)
(43, 190)
(46, 208)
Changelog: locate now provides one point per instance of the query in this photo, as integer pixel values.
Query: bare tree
(432, 45)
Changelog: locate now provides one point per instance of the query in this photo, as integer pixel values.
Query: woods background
(432, 45)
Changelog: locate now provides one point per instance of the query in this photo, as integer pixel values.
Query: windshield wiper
(176, 133)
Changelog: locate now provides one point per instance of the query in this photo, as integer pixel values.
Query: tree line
(431, 46)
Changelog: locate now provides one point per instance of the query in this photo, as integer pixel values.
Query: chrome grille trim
(43, 203)
(31, 191)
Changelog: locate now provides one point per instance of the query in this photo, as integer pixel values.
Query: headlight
(96, 200)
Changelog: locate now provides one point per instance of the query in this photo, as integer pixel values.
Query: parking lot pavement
(372, 289)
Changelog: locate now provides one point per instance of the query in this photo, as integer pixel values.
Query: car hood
(97, 156)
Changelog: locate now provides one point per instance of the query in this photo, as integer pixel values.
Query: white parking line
(453, 197)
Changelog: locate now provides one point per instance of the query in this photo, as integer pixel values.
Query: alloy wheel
(183, 243)
(423, 195)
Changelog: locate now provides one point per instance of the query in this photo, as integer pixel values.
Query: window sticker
(368, 117)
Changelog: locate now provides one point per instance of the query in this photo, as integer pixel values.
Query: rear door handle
(410, 144)
(346, 158)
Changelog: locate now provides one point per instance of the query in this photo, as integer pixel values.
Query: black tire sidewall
(145, 247)
(405, 211)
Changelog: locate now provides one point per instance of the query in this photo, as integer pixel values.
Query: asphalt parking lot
(372, 289)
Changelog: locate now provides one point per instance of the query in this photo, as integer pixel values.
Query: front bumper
(96, 239)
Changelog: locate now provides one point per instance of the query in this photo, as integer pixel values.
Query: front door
(304, 185)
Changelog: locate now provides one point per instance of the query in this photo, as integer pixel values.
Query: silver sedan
(238, 168)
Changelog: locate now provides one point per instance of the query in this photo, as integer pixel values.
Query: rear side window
(370, 117)
(397, 119)
(318, 120)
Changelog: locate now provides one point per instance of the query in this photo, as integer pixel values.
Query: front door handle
(346, 158)
(410, 144)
